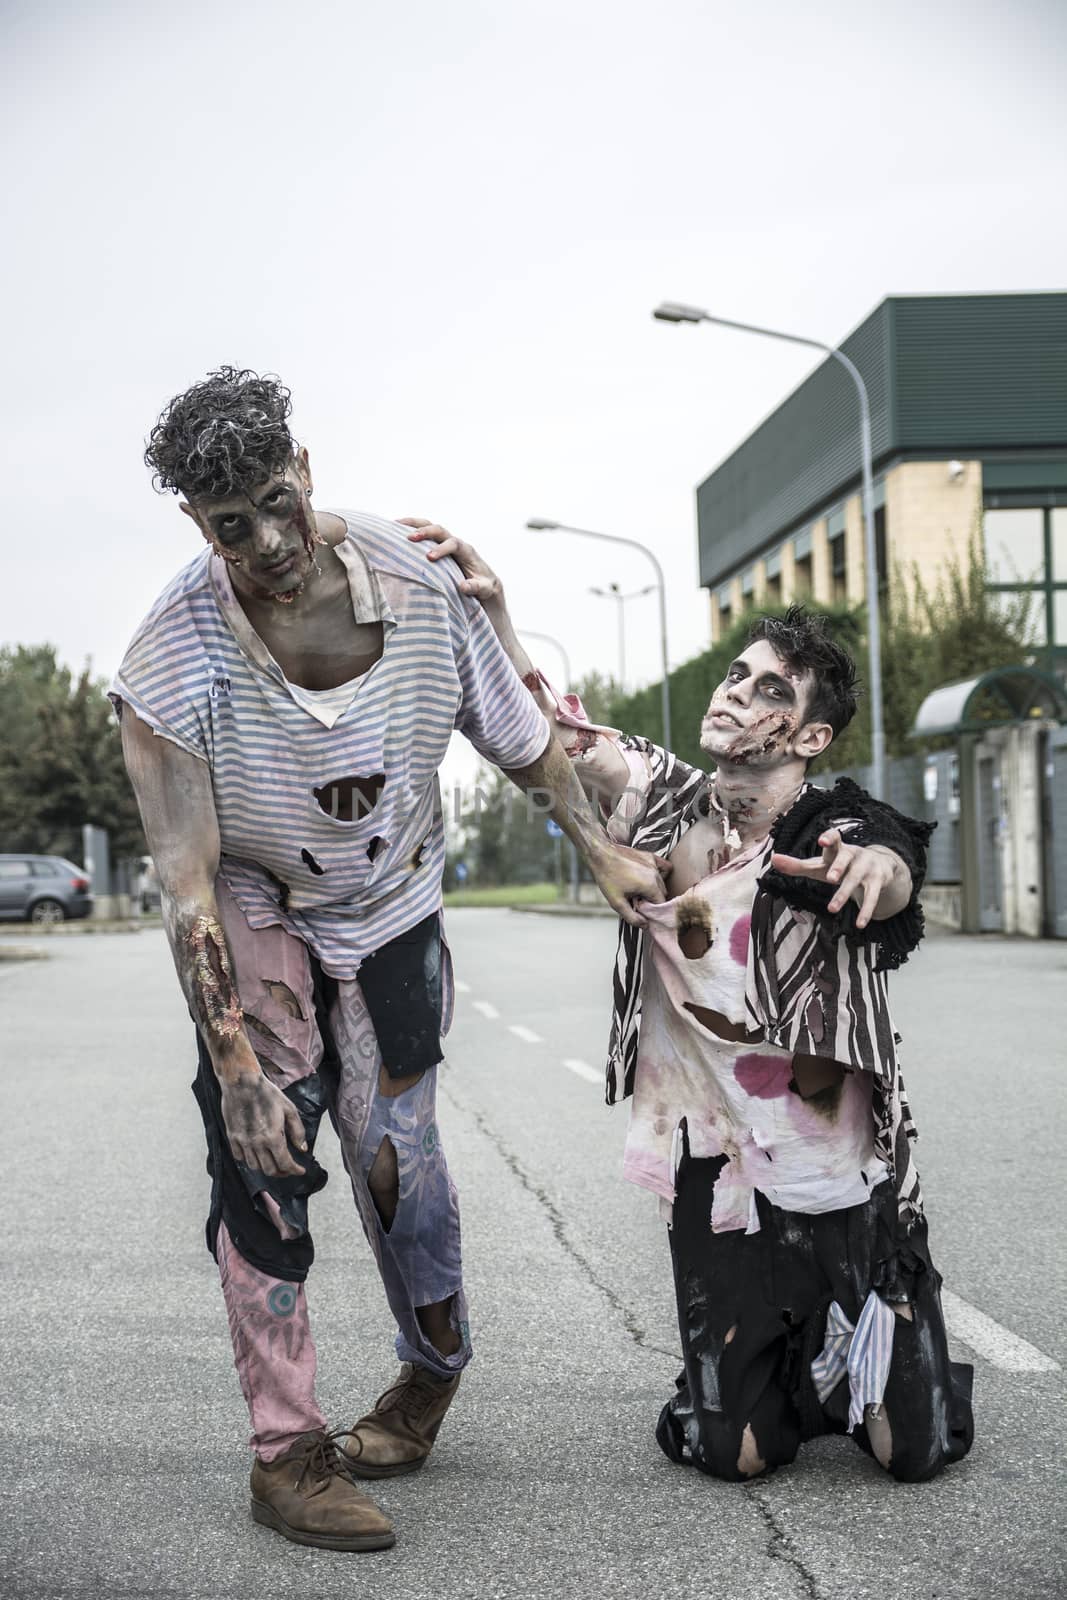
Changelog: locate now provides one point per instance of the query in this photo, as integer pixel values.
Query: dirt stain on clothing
(695, 923)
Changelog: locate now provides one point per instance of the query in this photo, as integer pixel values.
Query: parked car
(43, 889)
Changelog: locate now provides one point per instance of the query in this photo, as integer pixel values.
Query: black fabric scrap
(402, 986)
(797, 833)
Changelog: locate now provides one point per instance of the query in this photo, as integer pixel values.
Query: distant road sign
(553, 829)
(461, 872)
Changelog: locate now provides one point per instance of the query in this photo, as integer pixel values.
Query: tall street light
(546, 638)
(613, 592)
(542, 524)
(670, 311)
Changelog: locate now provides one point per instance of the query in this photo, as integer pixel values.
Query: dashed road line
(583, 1069)
(488, 1011)
(460, 987)
(988, 1339)
(527, 1035)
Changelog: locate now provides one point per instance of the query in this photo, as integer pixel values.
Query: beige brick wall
(930, 517)
(855, 555)
(789, 572)
(821, 585)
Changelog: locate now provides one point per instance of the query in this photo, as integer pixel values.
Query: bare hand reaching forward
(872, 875)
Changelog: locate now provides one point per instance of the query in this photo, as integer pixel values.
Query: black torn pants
(752, 1316)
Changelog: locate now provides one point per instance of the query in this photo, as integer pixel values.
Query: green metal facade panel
(981, 372)
(947, 374)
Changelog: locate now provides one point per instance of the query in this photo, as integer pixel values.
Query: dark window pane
(879, 547)
(1059, 616)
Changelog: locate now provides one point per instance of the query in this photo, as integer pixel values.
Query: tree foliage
(60, 759)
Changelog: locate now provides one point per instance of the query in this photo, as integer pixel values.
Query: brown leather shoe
(308, 1496)
(398, 1435)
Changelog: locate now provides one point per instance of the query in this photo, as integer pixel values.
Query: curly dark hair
(803, 640)
(223, 436)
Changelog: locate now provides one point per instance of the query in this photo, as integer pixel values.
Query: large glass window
(1015, 545)
(1026, 561)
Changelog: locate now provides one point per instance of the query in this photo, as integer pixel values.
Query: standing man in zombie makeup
(751, 1027)
(285, 707)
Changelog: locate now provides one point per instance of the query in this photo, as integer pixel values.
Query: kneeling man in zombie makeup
(751, 1027)
(285, 707)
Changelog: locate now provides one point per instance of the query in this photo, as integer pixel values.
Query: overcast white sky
(445, 223)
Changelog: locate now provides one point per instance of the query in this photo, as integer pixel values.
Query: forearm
(177, 806)
(897, 892)
(498, 614)
(552, 779)
(206, 973)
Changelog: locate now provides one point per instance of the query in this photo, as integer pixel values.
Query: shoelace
(415, 1393)
(321, 1458)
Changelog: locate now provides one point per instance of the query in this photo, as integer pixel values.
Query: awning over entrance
(996, 699)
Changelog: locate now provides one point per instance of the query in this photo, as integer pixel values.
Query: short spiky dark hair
(803, 640)
(223, 436)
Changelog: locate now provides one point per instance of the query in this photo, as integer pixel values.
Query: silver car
(43, 889)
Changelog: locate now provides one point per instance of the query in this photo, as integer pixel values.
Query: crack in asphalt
(780, 1546)
(555, 1217)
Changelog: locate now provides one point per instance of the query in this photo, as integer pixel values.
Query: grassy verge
(521, 894)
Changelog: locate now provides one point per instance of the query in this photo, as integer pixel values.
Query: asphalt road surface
(125, 1464)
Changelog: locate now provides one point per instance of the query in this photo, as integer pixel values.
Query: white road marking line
(527, 1035)
(584, 1070)
(988, 1339)
(486, 1010)
(461, 988)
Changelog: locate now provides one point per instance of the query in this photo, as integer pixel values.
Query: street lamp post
(542, 524)
(671, 311)
(613, 592)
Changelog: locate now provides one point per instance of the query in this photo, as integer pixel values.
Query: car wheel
(47, 912)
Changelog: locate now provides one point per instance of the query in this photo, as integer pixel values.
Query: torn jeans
(314, 1039)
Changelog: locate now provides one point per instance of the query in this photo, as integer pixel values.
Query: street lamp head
(541, 524)
(671, 311)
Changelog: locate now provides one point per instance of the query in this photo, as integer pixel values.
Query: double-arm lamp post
(670, 311)
(542, 524)
(614, 592)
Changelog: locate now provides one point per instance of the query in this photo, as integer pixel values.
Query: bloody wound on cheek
(214, 978)
(308, 535)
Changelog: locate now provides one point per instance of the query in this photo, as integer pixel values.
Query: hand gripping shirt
(198, 674)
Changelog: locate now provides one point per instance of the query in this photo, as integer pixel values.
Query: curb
(86, 925)
(566, 910)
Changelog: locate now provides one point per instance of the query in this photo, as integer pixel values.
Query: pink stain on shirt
(764, 1077)
(739, 935)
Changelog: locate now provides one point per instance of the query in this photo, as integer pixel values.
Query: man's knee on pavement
(749, 1460)
(905, 1459)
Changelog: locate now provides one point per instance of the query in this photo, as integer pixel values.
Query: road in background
(123, 1427)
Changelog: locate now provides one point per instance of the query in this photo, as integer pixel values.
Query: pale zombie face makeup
(757, 710)
(268, 537)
